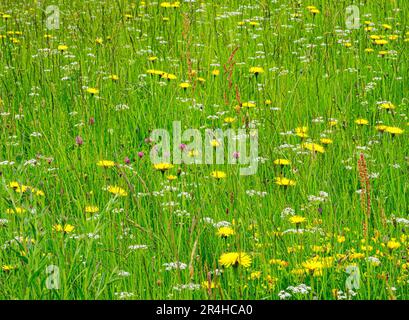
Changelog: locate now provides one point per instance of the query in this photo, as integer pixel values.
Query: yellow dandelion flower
(314, 147)
(393, 244)
(278, 262)
(380, 42)
(285, 182)
(387, 106)
(248, 105)
(282, 162)
(106, 163)
(235, 259)
(362, 122)
(117, 191)
(184, 85)
(297, 219)
(215, 72)
(394, 130)
(92, 91)
(67, 228)
(62, 47)
(218, 175)
(341, 239)
(256, 70)
(169, 76)
(215, 143)
(229, 120)
(326, 141)
(208, 285)
(381, 127)
(8, 267)
(225, 232)
(312, 265)
(17, 210)
(91, 209)
(163, 166)
(255, 275)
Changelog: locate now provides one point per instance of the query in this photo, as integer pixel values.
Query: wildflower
(298, 272)
(340, 239)
(92, 91)
(282, 162)
(326, 141)
(361, 122)
(155, 72)
(106, 163)
(248, 105)
(163, 166)
(394, 130)
(387, 106)
(91, 209)
(380, 42)
(281, 181)
(229, 120)
(256, 70)
(312, 265)
(99, 41)
(313, 147)
(208, 285)
(302, 132)
(79, 141)
(235, 259)
(169, 77)
(356, 256)
(297, 220)
(184, 85)
(218, 175)
(8, 267)
(171, 177)
(255, 275)
(214, 143)
(393, 244)
(17, 210)
(67, 228)
(279, 262)
(332, 122)
(114, 77)
(225, 232)
(215, 72)
(62, 48)
(117, 191)
(381, 127)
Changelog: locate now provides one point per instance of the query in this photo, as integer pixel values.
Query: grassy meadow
(85, 214)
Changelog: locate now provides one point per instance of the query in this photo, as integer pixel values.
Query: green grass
(309, 73)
